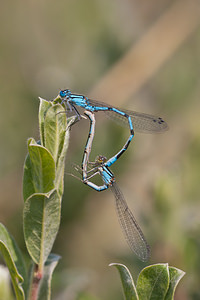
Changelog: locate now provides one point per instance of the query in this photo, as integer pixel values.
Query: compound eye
(101, 159)
(62, 93)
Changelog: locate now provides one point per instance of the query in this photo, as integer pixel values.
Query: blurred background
(140, 55)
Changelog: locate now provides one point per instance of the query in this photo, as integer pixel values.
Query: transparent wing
(141, 122)
(130, 228)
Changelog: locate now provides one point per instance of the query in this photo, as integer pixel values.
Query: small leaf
(39, 170)
(44, 106)
(61, 160)
(45, 284)
(175, 276)
(127, 282)
(153, 282)
(14, 261)
(41, 223)
(55, 125)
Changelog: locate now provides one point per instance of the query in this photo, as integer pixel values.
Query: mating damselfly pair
(136, 122)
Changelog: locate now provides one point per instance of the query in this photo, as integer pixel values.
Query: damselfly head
(100, 159)
(65, 93)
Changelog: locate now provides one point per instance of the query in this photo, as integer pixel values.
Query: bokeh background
(141, 55)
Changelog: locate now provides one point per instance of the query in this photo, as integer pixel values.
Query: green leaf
(57, 99)
(44, 106)
(175, 276)
(14, 261)
(39, 170)
(41, 224)
(153, 282)
(127, 282)
(45, 284)
(55, 125)
(56, 133)
(61, 160)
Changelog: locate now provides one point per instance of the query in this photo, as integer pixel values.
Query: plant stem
(37, 276)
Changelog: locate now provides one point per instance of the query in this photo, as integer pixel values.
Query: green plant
(155, 282)
(42, 191)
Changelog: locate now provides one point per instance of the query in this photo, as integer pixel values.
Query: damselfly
(136, 121)
(130, 227)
